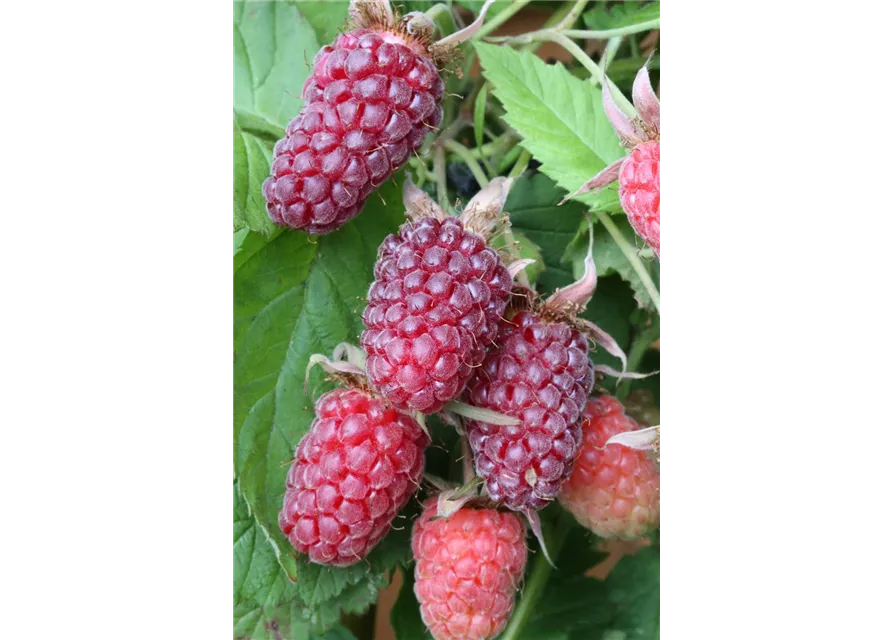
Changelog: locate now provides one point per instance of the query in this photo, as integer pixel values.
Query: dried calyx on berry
(566, 304)
(347, 366)
(415, 27)
(639, 172)
(437, 299)
(372, 98)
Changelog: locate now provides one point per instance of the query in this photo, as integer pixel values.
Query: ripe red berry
(468, 567)
(434, 308)
(539, 372)
(640, 191)
(614, 491)
(373, 96)
(353, 471)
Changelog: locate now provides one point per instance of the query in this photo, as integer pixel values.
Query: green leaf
(293, 297)
(335, 633)
(328, 591)
(475, 5)
(569, 606)
(252, 157)
(249, 243)
(406, 618)
(559, 117)
(326, 18)
(286, 622)
(576, 607)
(238, 239)
(282, 623)
(533, 209)
(580, 549)
(634, 596)
(480, 111)
(610, 259)
(273, 46)
(620, 15)
(260, 587)
(405, 6)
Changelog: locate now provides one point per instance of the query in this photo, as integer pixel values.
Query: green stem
(521, 164)
(536, 581)
(443, 19)
(591, 67)
(556, 18)
(465, 154)
(648, 25)
(500, 18)
(641, 344)
(632, 255)
(609, 53)
(507, 144)
(484, 151)
(421, 170)
(440, 176)
(582, 34)
(571, 17)
(509, 158)
(634, 48)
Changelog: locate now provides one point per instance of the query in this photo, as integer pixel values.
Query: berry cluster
(446, 330)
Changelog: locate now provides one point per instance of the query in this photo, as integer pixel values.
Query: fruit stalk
(636, 353)
(521, 163)
(539, 576)
(631, 254)
(501, 17)
(466, 156)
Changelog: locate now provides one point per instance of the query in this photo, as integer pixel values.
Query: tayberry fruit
(353, 471)
(372, 97)
(435, 304)
(614, 490)
(468, 567)
(539, 372)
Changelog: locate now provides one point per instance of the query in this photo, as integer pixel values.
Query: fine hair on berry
(614, 490)
(468, 567)
(434, 308)
(353, 471)
(372, 97)
(539, 372)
